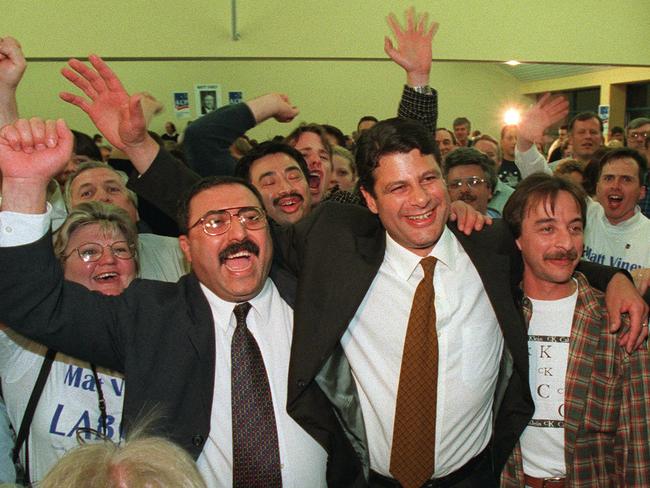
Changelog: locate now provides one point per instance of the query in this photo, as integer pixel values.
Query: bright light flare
(512, 62)
(512, 116)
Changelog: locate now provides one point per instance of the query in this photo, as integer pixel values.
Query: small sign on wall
(207, 98)
(181, 104)
(235, 97)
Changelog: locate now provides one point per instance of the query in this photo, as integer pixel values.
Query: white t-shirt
(625, 245)
(69, 400)
(549, 330)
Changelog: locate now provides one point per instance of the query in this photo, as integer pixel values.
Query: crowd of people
(410, 306)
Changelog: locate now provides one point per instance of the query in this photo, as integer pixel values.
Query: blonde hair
(111, 219)
(141, 461)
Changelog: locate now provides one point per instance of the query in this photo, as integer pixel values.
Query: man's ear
(184, 242)
(370, 200)
(518, 244)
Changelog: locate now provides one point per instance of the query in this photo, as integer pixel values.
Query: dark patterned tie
(255, 451)
(414, 430)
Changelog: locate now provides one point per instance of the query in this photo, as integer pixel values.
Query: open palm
(114, 112)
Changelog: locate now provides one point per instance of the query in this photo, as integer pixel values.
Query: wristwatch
(424, 90)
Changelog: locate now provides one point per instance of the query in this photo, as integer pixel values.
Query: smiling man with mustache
(591, 422)
(210, 352)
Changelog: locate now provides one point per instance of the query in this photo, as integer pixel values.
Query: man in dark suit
(179, 345)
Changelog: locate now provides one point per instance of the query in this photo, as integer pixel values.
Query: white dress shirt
(270, 320)
(470, 347)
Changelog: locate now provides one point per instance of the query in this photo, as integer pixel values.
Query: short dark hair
(84, 145)
(564, 127)
(317, 129)
(367, 118)
(621, 153)
(617, 130)
(465, 156)
(388, 137)
(568, 166)
(336, 133)
(537, 188)
(183, 214)
(582, 116)
(450, 132)
(243, 167)
(462, 121)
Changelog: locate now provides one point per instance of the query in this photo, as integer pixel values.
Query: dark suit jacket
(160, 335)
(338, 251)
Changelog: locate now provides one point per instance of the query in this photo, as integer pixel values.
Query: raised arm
(115, 113)
(207, 141)
(546, 112)
(12, 67)
(31, 153)
(412, 52)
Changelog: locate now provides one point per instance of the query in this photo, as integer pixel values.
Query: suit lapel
(201, 335)
(320, 326)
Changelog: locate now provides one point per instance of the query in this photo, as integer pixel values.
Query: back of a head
(142, 462)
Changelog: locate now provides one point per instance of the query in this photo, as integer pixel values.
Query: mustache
(570, 255)
(236, 247)
(276, 201)
(467, 197)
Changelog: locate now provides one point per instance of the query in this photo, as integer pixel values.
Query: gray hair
(67, 193)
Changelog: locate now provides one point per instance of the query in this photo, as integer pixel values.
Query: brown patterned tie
(255, 451)
(414, 430)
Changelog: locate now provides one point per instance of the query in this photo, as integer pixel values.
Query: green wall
(335, 92)
(327, 56)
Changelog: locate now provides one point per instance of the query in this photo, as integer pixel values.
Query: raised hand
(115, 113)
(546, 112)
(413, 52)
(276, 105)
(12, 63)
(12, 67)
(31, 153)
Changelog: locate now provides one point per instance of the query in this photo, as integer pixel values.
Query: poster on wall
(235, 97)
(181, 104)
(207, 97)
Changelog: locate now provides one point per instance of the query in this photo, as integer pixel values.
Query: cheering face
(619, 189)
(102, 185)
(283, 187)
(411, 199)
(107, 269)
(319, 162)
(234, 264)
(551, 244)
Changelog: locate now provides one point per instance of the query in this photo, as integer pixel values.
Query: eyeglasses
(216, 222)
(638, 135)
(90, 252)
(470, 181)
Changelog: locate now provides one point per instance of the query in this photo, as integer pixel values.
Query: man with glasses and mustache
(210, 353)
(471, 178)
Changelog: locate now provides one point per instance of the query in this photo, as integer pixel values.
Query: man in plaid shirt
(591, 425)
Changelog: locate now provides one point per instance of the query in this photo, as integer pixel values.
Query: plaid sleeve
(420, 107)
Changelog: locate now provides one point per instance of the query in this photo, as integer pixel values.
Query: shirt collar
(222, 310)
(405, 262)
